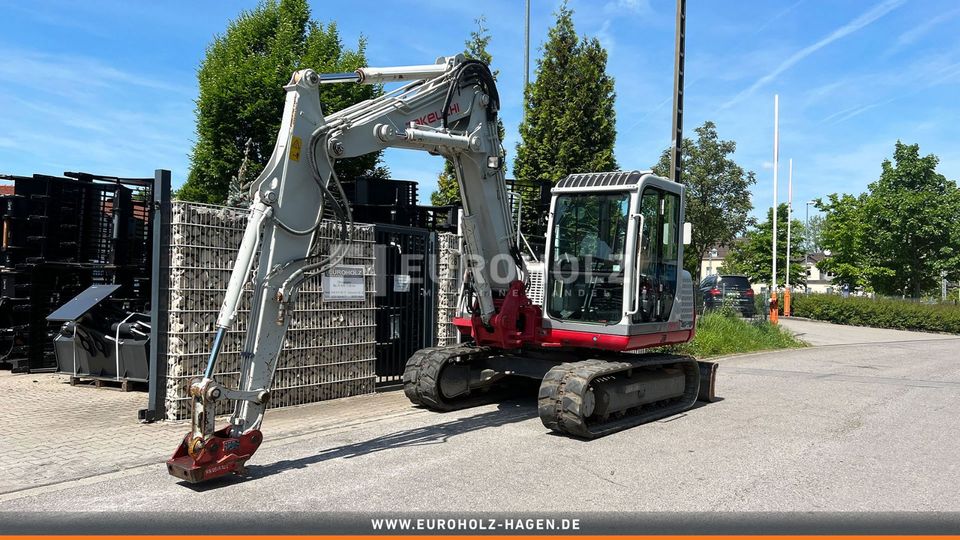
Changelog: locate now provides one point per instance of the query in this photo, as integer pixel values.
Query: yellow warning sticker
(295, 145)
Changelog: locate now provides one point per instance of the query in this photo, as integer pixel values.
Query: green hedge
(878, 313)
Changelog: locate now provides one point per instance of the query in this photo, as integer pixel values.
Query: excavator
(612, 278)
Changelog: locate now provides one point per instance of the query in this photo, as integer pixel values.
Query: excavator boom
(448, 108)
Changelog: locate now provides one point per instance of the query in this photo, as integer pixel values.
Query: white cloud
(67, 111)
(72, 73)
(920, 75)
(864, 20)
(918, 31)
(850, 112)
(777, 16)
(605, 36)
(640, 7)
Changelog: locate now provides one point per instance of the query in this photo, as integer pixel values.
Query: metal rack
(61, 235)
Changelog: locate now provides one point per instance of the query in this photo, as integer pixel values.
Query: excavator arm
(448, 108)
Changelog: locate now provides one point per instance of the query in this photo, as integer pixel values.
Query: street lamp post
(526, 50)
(773, 214)
(786, 291)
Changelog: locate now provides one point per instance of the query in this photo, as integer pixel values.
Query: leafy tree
(718, 193)
(238, 191)
(751, 255)
(813, 240)
(843, 235)
(569, 121)
(448, 191)
(911, 215)
(241, 97)
(902, 234)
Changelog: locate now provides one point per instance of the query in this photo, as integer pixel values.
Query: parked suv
(735, 289)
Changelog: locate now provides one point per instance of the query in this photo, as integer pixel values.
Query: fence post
(431, 267)
(160, 229)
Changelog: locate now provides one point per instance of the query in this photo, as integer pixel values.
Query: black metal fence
(405, 301)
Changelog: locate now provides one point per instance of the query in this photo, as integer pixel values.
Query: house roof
(816, 257)
(722, 251)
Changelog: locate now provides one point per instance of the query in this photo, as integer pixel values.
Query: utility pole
(773, 215)
(678, 61)
(526, 51)
(809, 241)
(786, 291)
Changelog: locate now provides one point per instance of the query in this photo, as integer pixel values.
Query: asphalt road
(867, 422)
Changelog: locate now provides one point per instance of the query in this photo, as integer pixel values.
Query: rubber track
(562, 391)
(422, 375)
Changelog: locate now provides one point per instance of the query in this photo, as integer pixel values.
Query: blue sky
(108, 85)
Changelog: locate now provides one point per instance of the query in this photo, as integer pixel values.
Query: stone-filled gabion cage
(329, 350)
(448, 287)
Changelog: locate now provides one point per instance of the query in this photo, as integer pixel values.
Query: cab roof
(602, 179)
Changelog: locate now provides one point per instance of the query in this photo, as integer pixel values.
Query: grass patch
(719, 334)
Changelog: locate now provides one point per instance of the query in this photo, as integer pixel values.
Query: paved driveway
(821, 334)
(866, 423)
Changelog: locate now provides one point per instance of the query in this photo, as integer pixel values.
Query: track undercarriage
(583, 393)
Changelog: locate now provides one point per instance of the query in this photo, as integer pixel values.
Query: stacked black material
(61, 235)
(394, 202)
(534, 211)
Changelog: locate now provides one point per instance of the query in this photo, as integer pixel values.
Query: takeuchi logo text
(437, 115)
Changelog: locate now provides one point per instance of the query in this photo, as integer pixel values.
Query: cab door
(658, 262)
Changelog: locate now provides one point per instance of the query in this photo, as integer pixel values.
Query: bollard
(774, 307)
(786, 302)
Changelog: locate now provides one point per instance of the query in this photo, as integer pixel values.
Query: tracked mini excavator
(612, 277)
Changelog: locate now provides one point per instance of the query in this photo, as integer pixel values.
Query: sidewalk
(53, 432)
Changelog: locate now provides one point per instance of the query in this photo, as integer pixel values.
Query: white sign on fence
(344, 283)
(401, 283)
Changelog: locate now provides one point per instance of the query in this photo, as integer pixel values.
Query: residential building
(818, 281)
(713, 260)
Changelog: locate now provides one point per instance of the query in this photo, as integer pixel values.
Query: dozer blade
(593, 398)
(199, 460)
(708, 382)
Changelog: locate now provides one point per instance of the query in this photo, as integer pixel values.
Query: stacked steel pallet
(329, 351)
(534, 211)
(394, 202)
(448, 287)
(61, 235)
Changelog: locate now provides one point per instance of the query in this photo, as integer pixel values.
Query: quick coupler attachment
(199, 460)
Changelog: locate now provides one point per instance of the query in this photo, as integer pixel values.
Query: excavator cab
(613, 267)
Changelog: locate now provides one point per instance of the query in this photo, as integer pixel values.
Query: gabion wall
(329, 350)
(448, 287)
